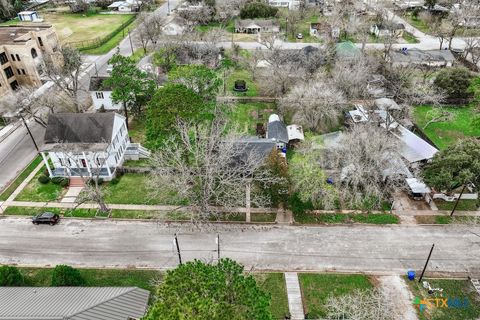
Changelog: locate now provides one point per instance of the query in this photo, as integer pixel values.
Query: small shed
(418, 189)
(28, 16)
(277, 131)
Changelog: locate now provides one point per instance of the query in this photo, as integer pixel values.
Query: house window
(14, 85)
(3, 58)
(34, 53)
(23, 71)
(19, 72)
(99, 95)
(40, 41)
(18, 58)
(13, 57)
(8, 72)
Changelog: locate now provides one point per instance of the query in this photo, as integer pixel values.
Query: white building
(125, 6)
(101, 95)
(28, 16)
(290, 4)
(88, 145)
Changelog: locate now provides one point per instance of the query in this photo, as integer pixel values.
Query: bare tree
(438, 114)
(460, 17)
(226, 10)
(194, 16)
(210, 168)
(37, 106)
(316, 104)
(63, 68)
(368, 166)
(150, 27)
(361, 305)
(250, 62)
(351, 76)
(472, 50)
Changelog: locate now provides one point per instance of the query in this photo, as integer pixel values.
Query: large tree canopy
(455, 166)
(196, 290)
(170, 104)
(199, 78)
(454, 82)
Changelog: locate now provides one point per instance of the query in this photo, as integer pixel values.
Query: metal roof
(276, 129)
(414, 148)
(72, 303)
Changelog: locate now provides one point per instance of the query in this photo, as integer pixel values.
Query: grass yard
(14, 185)
(132, 188)
(137, 163)
(239, 74)
(316, 288)
(36, 191)
(42, 277)
(463, 205)
(274, 283)
(32, 211)
(447, 220)
(247, 115)
(136, 130)
(263, 217)
(445, 133)
(335, 218)
(417, 23)
(452, 289)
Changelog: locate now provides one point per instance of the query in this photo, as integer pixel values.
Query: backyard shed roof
(276, 129)
(414, 148)
(83, 131)
(417, 186)
(73, 303)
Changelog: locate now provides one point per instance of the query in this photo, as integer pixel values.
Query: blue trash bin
(411, 275)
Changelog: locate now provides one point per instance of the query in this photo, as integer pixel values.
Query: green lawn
(110, 44)
(247, 115)
(32, 211)
(136, 130)
(36, 191)
(316, 288)
(274, 283)
(417, 23)
(137, 163)
(230, 27)
(263, 217)
(133, 189)
(445, 133)
(447, 220)
(463, 205)
(239, 74)
(334, 218)
(14, 185)
(452, 289)
(73, 27)
(42, 277)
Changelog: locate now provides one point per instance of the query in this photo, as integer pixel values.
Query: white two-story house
(102, 95)
(88, 145)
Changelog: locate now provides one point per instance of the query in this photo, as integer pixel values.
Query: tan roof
(15, 34)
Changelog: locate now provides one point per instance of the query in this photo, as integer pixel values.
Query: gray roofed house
(253, 146)
(84, 131)
(417, 57)
(73, 303)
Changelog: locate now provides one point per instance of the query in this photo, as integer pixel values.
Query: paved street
(389, 249)
(17, 151)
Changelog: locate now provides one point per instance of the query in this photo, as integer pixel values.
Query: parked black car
(46, 217)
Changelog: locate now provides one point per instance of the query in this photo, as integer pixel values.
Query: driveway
(383, 249)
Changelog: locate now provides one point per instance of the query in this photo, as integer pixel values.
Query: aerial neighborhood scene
(239, 159)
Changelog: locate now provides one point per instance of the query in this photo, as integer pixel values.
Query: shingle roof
(90, 130)
(73, 303)
(422, 56)
(278, 131)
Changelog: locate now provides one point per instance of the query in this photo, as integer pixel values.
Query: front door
(84, 163)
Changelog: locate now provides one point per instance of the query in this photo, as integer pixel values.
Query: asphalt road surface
(389, 249)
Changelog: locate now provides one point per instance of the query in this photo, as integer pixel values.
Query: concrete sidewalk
(294, 296)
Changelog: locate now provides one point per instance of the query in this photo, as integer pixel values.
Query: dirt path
(397, 290)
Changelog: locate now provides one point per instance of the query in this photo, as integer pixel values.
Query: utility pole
(458, 200)
(426, 263)
(96, 70)
(178, 249)
(168, 7)
(218, 246)
(130, 39)
(28, 129)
